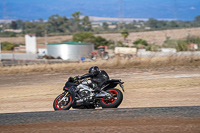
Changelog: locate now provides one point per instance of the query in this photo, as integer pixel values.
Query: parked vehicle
(100, 53)
(79, 95)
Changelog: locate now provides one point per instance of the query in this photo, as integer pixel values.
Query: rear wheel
(62, 102)
(113, 102)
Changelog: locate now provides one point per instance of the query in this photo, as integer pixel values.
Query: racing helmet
(94, 70)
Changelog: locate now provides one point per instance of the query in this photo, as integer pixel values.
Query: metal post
(45, 35)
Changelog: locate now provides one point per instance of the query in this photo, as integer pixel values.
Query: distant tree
(39, 30)
(153, 23)
(124, 33)
(13, 25)
(197, 18)
(100, 41)
(140, 43)
(89, 37)
(76, 18)
(83, 37)
(105, 25)
(29, 25)
(173, 24)
(86, 24)
(58, 24)
(20, 24)
(7, 46)
(161, 24)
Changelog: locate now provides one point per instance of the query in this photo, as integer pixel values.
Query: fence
(18, 56)
(162, 54)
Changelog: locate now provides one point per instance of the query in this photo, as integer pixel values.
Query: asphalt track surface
(185, 119)
(78, 115)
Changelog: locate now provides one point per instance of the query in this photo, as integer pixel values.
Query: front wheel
(115, 101)
(62, 102)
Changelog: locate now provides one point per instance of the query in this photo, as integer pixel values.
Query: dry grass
(118, 63)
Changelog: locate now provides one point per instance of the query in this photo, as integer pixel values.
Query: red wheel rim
(62, 104)
(114, 98)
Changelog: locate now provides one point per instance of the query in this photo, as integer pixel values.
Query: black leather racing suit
(98, 79)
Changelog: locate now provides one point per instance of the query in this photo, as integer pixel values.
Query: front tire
(62, 102)
(115, 101)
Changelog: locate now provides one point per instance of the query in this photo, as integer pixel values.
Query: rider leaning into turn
(98, 77)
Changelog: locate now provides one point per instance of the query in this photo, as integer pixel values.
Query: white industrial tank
(70, 50)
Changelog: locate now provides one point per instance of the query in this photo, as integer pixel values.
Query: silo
(70, 50)
(30, 40)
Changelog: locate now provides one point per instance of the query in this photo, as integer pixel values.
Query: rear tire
(61, 103)
(115, 101)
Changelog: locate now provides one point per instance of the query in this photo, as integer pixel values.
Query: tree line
(55, 25)
(61, 25)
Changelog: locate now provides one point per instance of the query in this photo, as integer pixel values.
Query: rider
(98, 77)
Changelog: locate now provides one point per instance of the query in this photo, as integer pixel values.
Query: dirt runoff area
(143, 88)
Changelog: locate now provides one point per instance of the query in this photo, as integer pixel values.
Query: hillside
(156, 37)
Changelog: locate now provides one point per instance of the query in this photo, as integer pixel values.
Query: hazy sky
(35, 9)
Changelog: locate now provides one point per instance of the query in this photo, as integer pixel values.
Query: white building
(30, 41)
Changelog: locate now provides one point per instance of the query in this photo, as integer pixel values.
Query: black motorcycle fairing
(112, 84)
(72, 92)
(69, 83)
(70, 86)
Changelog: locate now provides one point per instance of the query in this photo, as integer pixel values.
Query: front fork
(66, 93)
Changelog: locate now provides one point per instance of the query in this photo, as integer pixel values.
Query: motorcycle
(79, 95)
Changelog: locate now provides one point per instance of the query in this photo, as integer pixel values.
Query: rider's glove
(77, 78)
